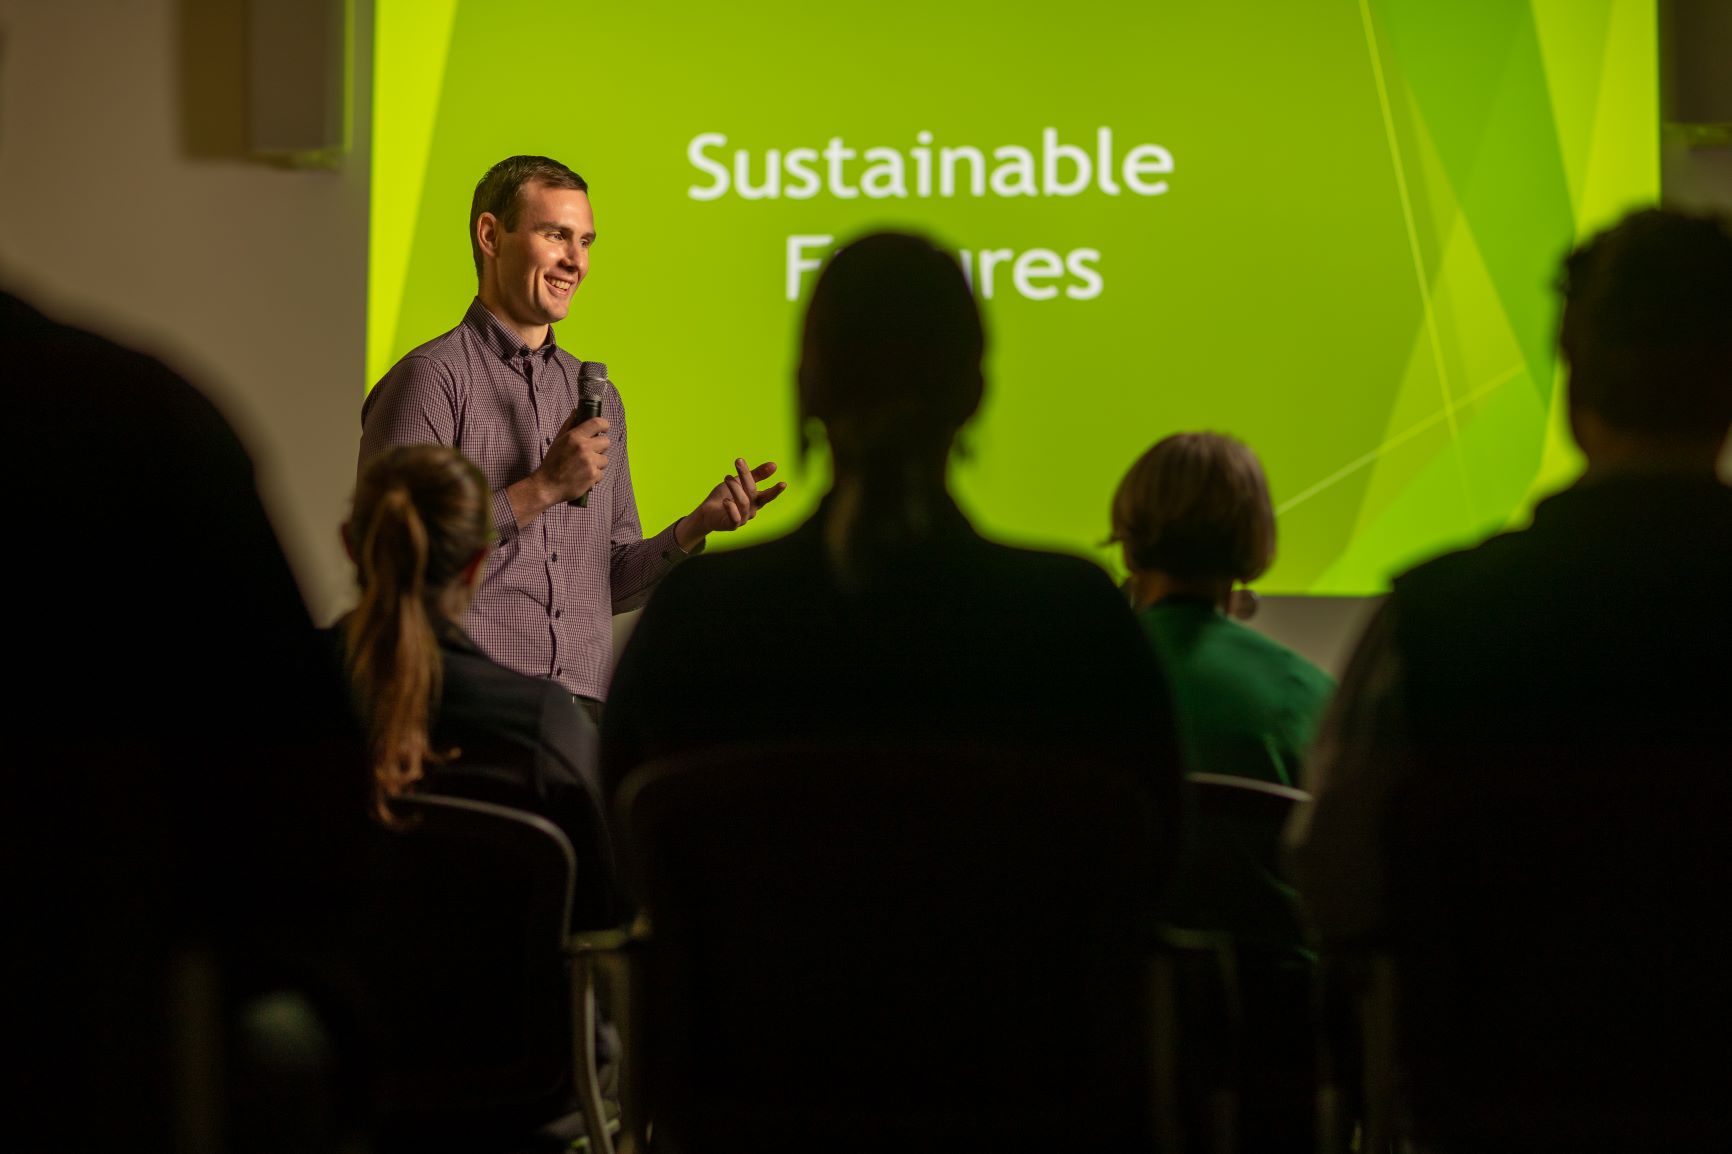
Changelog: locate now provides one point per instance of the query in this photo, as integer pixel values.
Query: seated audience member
(438, 708)
(1522, 789)
(885, 618)
(183, 781)
(1194, 519)
(885, 615)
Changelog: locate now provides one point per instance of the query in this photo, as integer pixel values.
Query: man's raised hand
(733, 502)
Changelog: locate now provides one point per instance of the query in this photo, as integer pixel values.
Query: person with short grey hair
(1195, 524)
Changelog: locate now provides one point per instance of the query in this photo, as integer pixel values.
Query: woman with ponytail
(885, 616)
(441, 715)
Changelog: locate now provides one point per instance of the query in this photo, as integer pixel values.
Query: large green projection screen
(1329, 228)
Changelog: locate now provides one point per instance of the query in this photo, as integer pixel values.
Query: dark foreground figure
(183, 784)
(1523, 791)
(886, 615)
(950, 916)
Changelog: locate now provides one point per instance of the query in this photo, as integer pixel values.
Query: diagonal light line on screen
(1402, 438)
(1413, 241)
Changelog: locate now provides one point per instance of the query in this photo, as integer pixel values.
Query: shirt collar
(453, 636)
(501, 339)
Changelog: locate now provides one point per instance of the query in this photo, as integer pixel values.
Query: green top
(1246, 705)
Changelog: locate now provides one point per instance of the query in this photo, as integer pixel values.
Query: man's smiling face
(537, 265)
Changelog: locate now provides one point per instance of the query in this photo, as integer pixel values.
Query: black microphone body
(591, 384)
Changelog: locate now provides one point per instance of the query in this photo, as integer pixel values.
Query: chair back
(464, 922)
(1263, 1053)
(1231, 878)
(895, 947)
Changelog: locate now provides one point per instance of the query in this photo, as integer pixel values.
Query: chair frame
(585, 1079)
(1250, 784)
(1227, 1102)
(608, 962)
(604, 962)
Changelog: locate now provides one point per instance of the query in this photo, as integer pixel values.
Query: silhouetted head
(1647, 332)
(890, 360)
(1195, 508)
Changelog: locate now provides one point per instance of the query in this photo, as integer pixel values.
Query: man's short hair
(500, 191)
(1647, 324)
(1196, 506)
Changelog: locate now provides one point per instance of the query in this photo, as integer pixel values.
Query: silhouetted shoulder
(715, 570)
(180, 547)
(183, 748)
(87, 384)
(957, 638)
(1582, 621)
(1632, 536)
(1056, 570)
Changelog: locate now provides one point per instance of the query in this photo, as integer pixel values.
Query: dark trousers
(589, 705)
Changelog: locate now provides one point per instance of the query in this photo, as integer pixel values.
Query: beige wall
(126, 205)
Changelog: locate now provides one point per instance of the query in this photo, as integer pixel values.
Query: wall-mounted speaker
(299, 65)
(1695, 73)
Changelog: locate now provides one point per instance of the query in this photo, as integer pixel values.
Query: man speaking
(500, 389)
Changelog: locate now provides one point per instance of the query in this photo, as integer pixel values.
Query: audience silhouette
(929, 994)
(184, 784)
(1521, 791)
(891, 617)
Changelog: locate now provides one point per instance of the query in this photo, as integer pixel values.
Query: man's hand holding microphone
(576, 456)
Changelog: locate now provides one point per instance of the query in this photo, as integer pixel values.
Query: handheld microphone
(591, 384)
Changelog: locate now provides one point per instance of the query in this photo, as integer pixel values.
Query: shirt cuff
(668, 545)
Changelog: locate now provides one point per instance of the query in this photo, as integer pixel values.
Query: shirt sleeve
(416, 403)
(413, 404)
(1363, 752)
(635, 564)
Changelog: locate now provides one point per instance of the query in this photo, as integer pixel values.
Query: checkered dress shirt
(546, 603)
